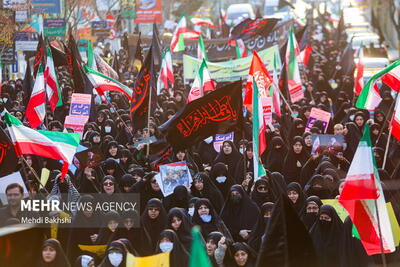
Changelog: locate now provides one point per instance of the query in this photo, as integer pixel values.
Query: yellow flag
(44, 176)
(394, 223)
(342, 213)
(159, 260)
(97, 249)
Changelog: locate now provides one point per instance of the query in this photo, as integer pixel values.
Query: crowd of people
(230, 205)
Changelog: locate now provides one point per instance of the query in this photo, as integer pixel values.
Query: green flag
(198, 253)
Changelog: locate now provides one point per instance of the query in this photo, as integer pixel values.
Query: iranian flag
(53, 145)
(260, 75)
(102, 83)
(362, 195)
(177, 43)
(36, 108)
(201, 49)
(53, 90)
(292, 66)
(392, 77)
(358, 81)
(166, 72)
(274, 89)
(395, 122)
(202, 83)
(240, 48)
(259, 128)
(202, 21)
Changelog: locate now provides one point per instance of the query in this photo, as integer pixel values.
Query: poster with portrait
(148, 11)
(173, 174)
(320, 115)
(327, 144)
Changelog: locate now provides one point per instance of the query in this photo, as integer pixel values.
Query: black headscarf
(179, 257)
(310, 218)
(210, 191)
(179, 198)
(144, 188)
(216, 224)
(217, 170)
(299, 205)
(184, 229)
(261, 197)
(294, 162)
(116, 245)
(259, 228)
(232, 160)
(152, 227)
(327, 237)
(239, 215)
(322, 192)
(61, 259)
(235, 247)
(276, 157)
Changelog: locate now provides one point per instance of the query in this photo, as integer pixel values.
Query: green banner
(231, 70)
(59, 31)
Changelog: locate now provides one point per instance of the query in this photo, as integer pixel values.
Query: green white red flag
(53, 145)
(240, 48)
(395, 122)
(370, 97)
(201, 49)
(91, 60)
(53, 90)
(362, 195)
(166, 72)
(202, 83)
(36, 108)
(274, 89)
(292, 67)
(177, 42)
(102, 83)
(359, 73)
(202, 21)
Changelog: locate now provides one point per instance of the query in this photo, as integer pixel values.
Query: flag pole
(287, 104)
(386, 120)
(148, 120)
(380, 235)
(34, 173)
(387, 148)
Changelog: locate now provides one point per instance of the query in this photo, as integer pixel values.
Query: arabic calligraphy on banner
(219, 110)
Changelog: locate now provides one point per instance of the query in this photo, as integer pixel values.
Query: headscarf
(179, 198)
(261, 197)
(184, 230)
(299, 205)
(259, 228)
(219, 169)
(232, 160)
(65, 186)
(83, 261)
(276, 157)
(294, 162)
(310, 218)
(210, 191)
(60, 260)
(327, 237)
(235, 247)
(119, 246)
(239, 215)
(322, 192)
(178, 257)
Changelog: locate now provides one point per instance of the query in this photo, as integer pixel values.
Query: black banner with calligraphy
(7, 25)
(8, 158)
(145, 84)
(251, 27)
(218, 112)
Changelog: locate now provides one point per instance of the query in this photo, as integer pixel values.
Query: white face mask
(351, 117)
(115, 258)
(241, 150)
(166, 246)
(191, 211)
(107, 129)
(208, 140)
(221, 179)
(85, 260)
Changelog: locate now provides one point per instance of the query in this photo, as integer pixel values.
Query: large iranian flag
(166, 72)
(177, 42)
(202, 21)
(53, 90)
(202, 83)
(362, 195)
(201, 49)
(358, 81)
(292, 66)
(53, 145)
(36, 108)
(370, 97)
(102, 83)
(395, 122)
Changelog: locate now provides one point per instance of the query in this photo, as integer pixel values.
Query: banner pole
(34, 174)
(148, 120)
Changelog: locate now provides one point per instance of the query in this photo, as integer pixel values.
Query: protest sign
(318, 114)
(220, 138)
(328, 143)
(54, 27)
(150, 140)
(267, 109)
(148, 11)
(76, 123)
(80, 105)
(7, 25)
(26, 41)
(9, 179)
(46, 6)
(173, 174)
(231, 70)
(89, 158)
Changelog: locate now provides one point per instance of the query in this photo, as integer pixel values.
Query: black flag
(74, 65)
(156, 47)
(218, 112)
(8, 157)
(287, 241)
(251, 27)
(145, 84)
(40, 55)
(27, 84)
(138, 53)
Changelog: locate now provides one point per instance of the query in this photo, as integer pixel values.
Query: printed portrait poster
(328, 144)
(318, 114)
(220, 138)
(9, 179)
(148, 11)
(173, 174)
(89, 158)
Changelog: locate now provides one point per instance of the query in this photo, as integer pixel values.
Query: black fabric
(287, 241)
(310, 218)
(27, 84)
(116, 245)
(240, 246)
(179, 256)
(258, 230)
(276, 156)
(251, 27)
(299, 204)
(218, 112)
(327, 237)
(184, 230)
(317, 187)
(239, 215)
(232, 160)
(61, 259)
(261, 197)
(219, 169)
(209, 191)
(294, 162)
(179, 198)
(8, 158)
(216, 223)
(151, 228)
